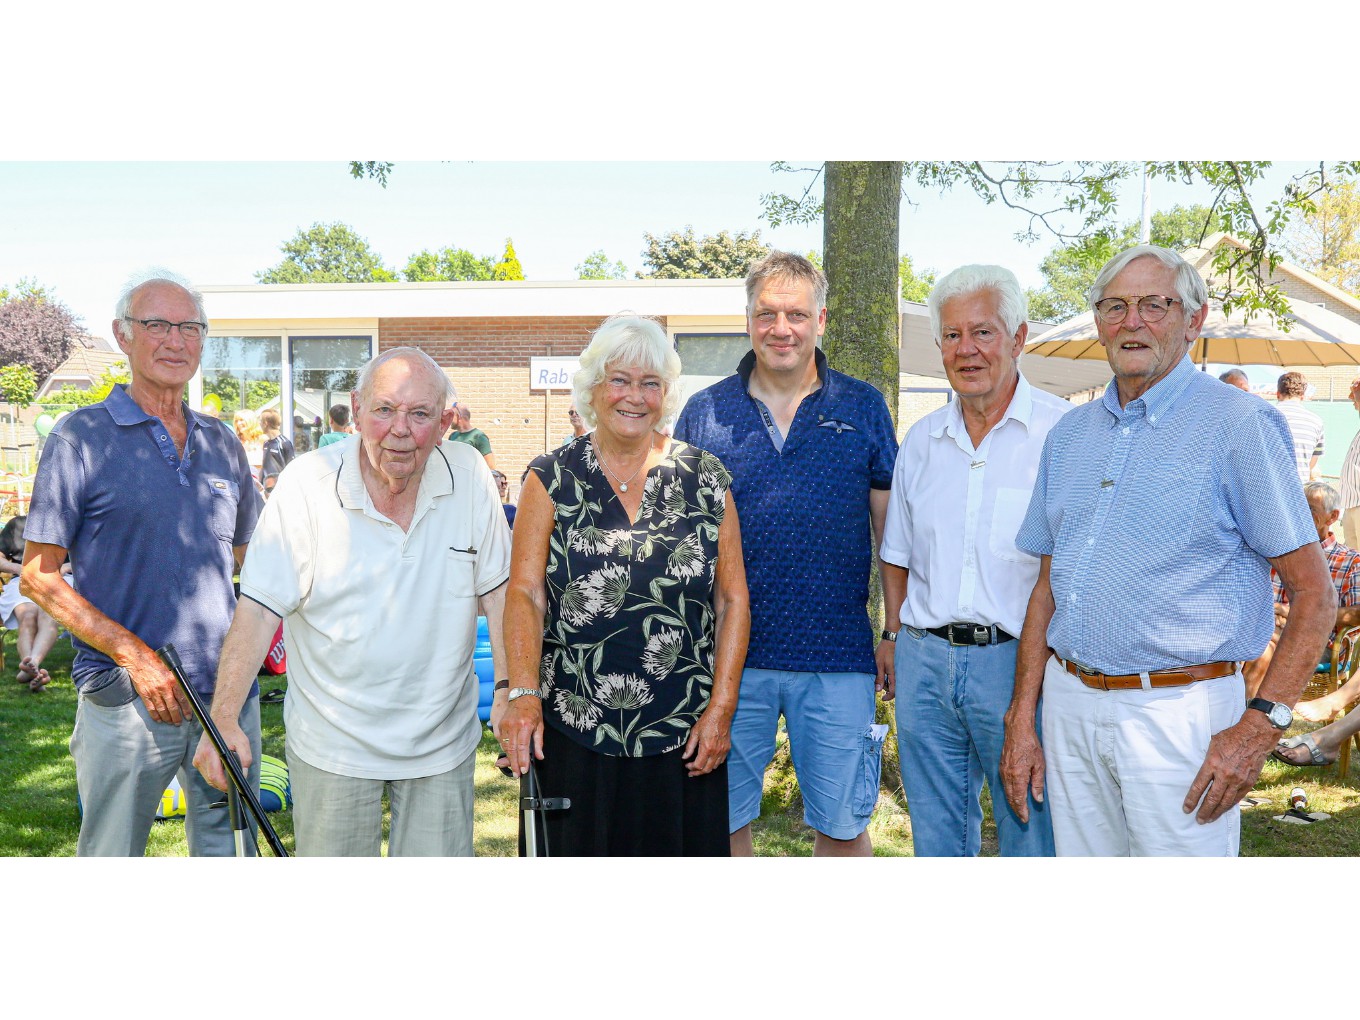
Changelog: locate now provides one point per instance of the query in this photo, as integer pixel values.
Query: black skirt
(628, 807)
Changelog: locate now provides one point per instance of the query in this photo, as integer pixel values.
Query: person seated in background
(340, 426)
(503, 487)
(1344, 563)
(1321, 747)
(36, 631)
(1236, 377)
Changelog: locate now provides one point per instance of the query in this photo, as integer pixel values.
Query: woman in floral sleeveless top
(626, 619)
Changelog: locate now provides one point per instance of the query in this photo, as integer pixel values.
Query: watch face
(1281, 716)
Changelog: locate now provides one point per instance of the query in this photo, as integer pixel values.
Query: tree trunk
(860, 236)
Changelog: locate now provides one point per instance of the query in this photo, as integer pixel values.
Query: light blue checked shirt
(1160, 517)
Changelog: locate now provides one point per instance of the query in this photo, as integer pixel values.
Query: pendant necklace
(623, 484)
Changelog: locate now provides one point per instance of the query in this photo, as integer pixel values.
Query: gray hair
(1233, 376)
(785, 265)
(1327, 496)
(443, 384)
(1190, 286)
(1012, 304)
(122, 311)
(632, 340)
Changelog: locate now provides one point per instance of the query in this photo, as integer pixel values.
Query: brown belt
(1161, 678)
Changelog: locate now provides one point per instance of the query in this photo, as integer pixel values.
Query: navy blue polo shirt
(150, 535)
(804, 512)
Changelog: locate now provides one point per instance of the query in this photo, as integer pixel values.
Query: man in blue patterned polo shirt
(1157, 514)
(811, 454)
(154, 504)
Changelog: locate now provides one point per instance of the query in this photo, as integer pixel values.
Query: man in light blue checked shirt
(1157, 513)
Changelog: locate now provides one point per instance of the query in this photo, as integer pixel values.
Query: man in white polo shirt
(375, 552)
(953, 579)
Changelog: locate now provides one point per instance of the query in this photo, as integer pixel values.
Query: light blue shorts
(829, 717)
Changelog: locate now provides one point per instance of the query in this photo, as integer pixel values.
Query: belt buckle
(982, 635)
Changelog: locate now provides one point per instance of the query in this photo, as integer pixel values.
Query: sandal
(1309, 743)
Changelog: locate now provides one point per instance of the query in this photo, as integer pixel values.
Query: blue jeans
(951, 703)
(125, 760)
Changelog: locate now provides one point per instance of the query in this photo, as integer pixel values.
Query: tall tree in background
(38, 332)
(1069, 270)
(860, 247)
(448, 264)
(327, 253)
(682, 256)
(508, 268)
(598, 267)
(1325, 240)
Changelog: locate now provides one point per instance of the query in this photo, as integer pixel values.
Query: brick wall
(488, 361)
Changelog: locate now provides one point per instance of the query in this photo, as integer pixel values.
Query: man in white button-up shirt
(953, 575)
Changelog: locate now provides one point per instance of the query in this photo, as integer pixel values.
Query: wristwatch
(1279, 714)
(890, 635)
(525, 692)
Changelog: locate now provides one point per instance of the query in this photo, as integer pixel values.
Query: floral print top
(627, 662)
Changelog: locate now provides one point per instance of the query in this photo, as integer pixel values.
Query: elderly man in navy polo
(1157, 513)
(953, 579)
(811, 456)
(154, 504)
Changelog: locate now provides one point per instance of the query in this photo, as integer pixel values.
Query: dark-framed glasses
(159, 329)
(1151, 307)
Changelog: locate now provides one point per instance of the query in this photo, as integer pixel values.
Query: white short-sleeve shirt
(380, 624)
(955, 510)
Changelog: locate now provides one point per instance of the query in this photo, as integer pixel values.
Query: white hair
(155, 274)
(443, 384)
(1190, 286)
(635, 341)
(1012, 304)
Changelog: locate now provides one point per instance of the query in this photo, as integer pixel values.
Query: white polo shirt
(954, 512)
(380, 624)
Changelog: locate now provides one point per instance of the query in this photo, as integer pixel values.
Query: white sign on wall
(552, 373)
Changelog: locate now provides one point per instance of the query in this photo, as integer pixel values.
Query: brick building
(305, 343)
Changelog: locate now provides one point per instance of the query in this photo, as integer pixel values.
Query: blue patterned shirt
(804, 513)
(1160, 517)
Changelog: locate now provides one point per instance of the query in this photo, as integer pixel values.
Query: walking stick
(532, 804)
(238, 787)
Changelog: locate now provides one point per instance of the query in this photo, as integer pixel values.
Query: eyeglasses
(159, 329)
(1151, 307)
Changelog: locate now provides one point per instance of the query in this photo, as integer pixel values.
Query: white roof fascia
(505, 299)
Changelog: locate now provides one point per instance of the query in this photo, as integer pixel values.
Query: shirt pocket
(224, 496)
(460, 574)
(1008, 514)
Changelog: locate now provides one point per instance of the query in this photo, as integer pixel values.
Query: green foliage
(327, 253)
(598, 267)
(448, 264)
(228, 389)
(375, 171)
(25, 288)
(70, 397)
(1073, 200)
(815, 257)
(677, 256)
(914, 287)
(508, 268)
(18, 384)
(1325, 240)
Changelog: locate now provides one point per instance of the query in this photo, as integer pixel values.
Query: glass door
(325, 370)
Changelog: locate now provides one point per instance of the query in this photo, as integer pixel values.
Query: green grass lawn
(38, 815)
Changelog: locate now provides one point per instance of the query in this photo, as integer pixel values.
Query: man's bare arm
(1022, 757)
(247, 643)
(41, 581)
(1236, 754)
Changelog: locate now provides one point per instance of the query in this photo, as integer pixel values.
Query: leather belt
(971, 634)
(1160, 678)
